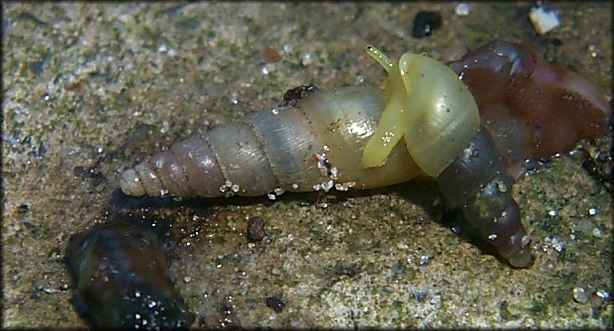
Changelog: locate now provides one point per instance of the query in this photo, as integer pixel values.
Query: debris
(462, 9)
(543, 19)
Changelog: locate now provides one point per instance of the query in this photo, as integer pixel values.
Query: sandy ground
(91, 89)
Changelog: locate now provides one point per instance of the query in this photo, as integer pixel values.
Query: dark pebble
(255, 229)
(292, 96)
(275, 303)
(22, 209)
(425, 23)
(120, 278)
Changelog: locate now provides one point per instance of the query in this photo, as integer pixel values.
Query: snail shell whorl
(478, 183)
(320, 141)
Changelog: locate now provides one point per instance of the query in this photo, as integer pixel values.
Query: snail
(121, 279)
(433, 110)
(532, 108)
(350, 138)
(429, 107)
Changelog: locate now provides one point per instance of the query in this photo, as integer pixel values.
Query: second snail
(471, 125)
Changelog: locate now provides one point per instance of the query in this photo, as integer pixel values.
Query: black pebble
(120, 275)
(91, 174)
(292, 96)
(22, 209)
(425, 23)
(255, 229)
(275, 303)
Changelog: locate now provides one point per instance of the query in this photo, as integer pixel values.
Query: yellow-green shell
(429, 106)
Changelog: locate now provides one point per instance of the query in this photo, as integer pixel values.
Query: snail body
(350, 138)
(532, 108)
(432, 109)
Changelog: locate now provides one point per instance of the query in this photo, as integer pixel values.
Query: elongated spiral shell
(316, 145)
(478, 182)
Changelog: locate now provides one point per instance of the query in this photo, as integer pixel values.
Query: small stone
(306, 59)
(271, 55)
(420, 294)
(579, 295)
(604, 294)
(275, 303)
(594, 51)
(255, 229)
(425, 23)
(543, 20)
(292, 96)
(462, 9)
(22, 209)
(424, 260)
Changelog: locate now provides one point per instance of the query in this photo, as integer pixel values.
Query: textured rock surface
(91, 89)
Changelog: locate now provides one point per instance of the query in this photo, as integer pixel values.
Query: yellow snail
(428, 106)
(331, 140)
